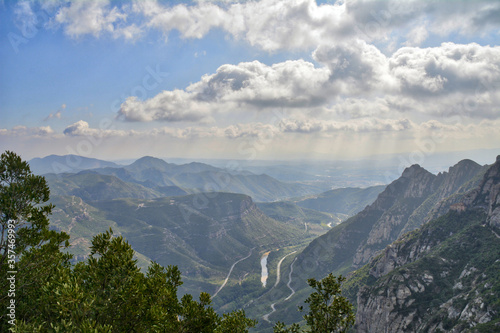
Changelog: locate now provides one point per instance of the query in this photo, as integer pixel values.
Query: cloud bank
(282, 24)
(452, 79)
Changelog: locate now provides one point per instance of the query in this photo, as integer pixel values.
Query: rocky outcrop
(397, 202)
(487, 195)
(441, 278)
(400, 208)
(408, 201)
(379, 313)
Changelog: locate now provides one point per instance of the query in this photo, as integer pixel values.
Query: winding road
(290, 280)
(279, 268)
(230, 271)
(278, 274)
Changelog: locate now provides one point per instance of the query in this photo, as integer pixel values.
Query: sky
(267, 79)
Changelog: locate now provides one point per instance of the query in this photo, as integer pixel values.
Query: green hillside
(311, 220)
(203, 234)
(91, 186)
(198, 177)
(67, 163)
(348, 201)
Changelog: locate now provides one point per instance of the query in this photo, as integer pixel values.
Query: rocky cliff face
(487, 195)
(408, 201)
(441, 278)
(400, 208)
(398, 202)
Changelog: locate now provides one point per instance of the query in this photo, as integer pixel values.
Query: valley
(256, 255)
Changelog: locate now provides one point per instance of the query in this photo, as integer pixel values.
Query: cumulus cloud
(268, 24)
(291, 84)
(280, 24)
(94, 17)
(172, 106)
(272, 24)
(451, 67)
(445, 80)
(452, 76)
(251, 130)
(356, 67)
(417, 35)
(79, 128)
(302, 24)
(82, 128)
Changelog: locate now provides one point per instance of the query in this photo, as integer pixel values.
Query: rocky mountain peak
(413, 182)
(149, 161)
(456, 176)
(451, 261)
(412, 171)
(462, 167)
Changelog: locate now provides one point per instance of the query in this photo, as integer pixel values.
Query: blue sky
(269, 79)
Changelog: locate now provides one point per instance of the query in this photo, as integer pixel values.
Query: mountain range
(172, 179)
(421, 254)
(405, 207)
(443, 277)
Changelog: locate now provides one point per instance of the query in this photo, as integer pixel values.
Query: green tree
(27, 245)
(22, 201)
(328, 311)
(106, 293)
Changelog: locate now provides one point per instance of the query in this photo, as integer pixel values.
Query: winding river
(263, 263)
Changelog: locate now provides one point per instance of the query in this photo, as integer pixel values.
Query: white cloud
(290, 84)
(23, 131)
(268, 24)
(82, 128)
(358, 125)
(303, 24)
(286, 128)
(417, 35)
(356, 67)
(445, 80)
(53, 115)
(94, 17)
(272, 24)
(57, 114)
(190, 21)
(25, 18)
(172, 106)
(451, 76)
(79, 128)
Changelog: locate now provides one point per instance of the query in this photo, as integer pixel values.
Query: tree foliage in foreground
(106, 293)
(328, 311)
